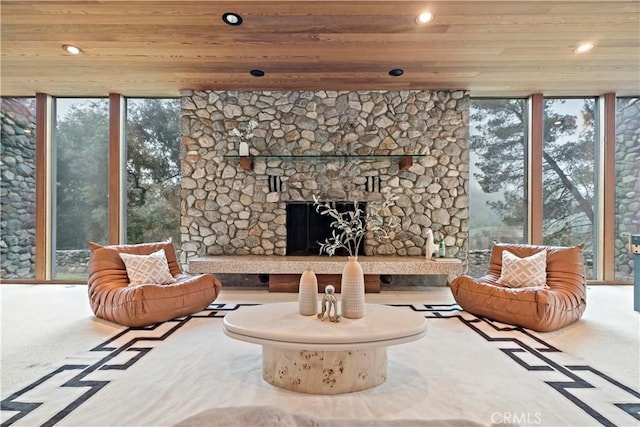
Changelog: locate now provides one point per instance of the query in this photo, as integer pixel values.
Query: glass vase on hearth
(352, 289)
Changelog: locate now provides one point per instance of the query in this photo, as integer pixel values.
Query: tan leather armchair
(535, 308)
(111, 297)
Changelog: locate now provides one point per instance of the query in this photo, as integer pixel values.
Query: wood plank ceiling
(156, 48)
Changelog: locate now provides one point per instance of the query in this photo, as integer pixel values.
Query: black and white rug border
(520, 350)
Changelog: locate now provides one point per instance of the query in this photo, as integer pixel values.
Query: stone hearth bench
(284, 271)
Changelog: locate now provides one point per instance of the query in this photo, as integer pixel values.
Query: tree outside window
(81, 145)
(153, 170)
(569, 175)
(498, 129)
(497, 184)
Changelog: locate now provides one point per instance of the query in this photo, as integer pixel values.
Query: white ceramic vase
(352, 289)
(308, 293)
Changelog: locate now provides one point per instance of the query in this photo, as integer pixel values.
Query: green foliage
(569, 174)
(82, 141)
(500, 143)
(153, 172)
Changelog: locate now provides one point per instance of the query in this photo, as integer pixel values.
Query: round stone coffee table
(308, 355)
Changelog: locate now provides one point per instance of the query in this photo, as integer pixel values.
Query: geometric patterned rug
(537, 356)
(54, 398)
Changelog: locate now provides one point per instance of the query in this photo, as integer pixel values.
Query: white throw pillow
(519, 272)
(152, 268)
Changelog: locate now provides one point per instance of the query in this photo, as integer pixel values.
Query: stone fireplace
(306, 227)
(337, 145)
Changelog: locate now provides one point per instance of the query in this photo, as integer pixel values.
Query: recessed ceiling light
(73, 50)
(584, 47)
(425, 17)
(257, 73)
(232, 18)
(396, 72)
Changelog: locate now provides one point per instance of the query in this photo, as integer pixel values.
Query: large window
(153, 170)
(79, 185)
(627, 182)
(81, 141)
(569, 175)
(497, 185)
(18, 188)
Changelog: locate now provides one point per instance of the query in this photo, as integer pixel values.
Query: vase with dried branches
(349, 229)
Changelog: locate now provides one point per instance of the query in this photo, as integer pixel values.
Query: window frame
(117, 204)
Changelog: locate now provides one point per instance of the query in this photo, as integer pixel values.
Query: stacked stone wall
(73, 263)
(229, 210)
(17, 189)
(17, 194)
(627, 186)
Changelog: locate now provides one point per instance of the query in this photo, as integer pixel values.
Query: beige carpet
(460, 370)
(269, 416)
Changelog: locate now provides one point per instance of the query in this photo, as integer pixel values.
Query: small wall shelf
(404, 160)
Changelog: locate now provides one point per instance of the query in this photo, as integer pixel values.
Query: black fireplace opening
(306, 227)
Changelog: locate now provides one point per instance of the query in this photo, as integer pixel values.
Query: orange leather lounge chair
(113, 299)
(537, 308)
